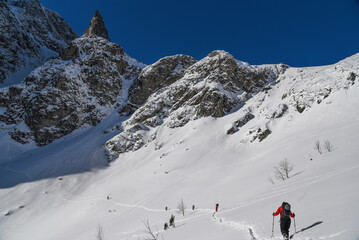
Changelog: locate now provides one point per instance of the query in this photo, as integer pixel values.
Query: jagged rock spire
(97, 27)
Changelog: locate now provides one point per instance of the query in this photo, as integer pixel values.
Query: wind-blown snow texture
(59, 191)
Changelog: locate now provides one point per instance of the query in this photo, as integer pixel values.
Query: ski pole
(295, 228)
(272, 228)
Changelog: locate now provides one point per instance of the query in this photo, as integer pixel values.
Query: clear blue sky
(296, 32)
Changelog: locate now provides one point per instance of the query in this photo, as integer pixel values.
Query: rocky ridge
(211, 87)
(219, 85)
(30, 34)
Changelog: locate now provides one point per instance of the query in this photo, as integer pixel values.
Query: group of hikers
(284, 211)
(285, 214)
(194, 207)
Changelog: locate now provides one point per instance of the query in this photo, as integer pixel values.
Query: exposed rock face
(82, 86)
(160, 74)
(240, 123)
(29, 35)
(212, 87)
(97, 27)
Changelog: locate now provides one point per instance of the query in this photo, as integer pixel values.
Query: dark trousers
(284, 227)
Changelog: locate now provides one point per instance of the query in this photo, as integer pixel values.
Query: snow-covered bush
(318, 147)
(282, 171)
(328, 146)
(181, 207)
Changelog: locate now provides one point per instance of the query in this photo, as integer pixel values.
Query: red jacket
(280, 211)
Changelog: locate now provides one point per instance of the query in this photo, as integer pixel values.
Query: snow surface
(60, 191)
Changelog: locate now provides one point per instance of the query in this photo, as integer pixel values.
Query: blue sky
(298, 33)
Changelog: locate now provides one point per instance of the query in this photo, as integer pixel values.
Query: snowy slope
(59, 191)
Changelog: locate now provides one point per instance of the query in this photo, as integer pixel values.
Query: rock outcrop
(159, 75)
(97, 27)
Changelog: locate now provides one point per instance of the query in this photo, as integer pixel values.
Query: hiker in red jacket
(285, 215)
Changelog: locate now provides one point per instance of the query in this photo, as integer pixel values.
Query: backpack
(286, 212)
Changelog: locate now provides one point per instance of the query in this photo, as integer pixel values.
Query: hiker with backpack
(285, 215)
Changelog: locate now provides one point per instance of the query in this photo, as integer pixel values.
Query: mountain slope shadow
(309, 227)
(75, 153)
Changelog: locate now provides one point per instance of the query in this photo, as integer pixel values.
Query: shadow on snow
(78, 152)
(309, 227)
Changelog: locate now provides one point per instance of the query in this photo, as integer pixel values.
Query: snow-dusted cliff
(219, 84)
(81, 86)
(30, 34)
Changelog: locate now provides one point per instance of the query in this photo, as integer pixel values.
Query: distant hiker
(166, 226)
(193, 207)
(166, 208)
(172, 221)
(217, 205)
(108, 196)
(285, 215)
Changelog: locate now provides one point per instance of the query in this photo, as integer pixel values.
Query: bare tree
(149, 231)
(279, 174)
(318, 147)
(282, 171)
(181, 208)
(328, 146)
(100, 235)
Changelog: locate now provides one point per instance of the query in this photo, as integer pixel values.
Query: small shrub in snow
(282, 171)
(100, 235)
(151, 234)
(328, 146)
(318, 147)
(181, 208)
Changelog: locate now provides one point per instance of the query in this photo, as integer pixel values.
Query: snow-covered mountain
(30, 34)
(205, 132)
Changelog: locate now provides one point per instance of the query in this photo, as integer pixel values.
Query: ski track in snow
(241, 226)
(207, 212)
(236, 225)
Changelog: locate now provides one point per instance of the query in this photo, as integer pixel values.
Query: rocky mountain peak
(78, 88)
(97, 27)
